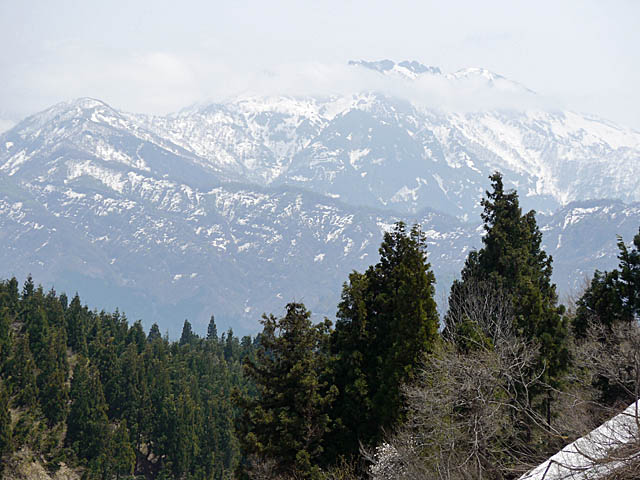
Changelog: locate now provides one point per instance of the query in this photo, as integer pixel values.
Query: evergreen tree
(154, 333)
(6, 443)
(288, 419)
(5, 337)
(131, 396)
(387, 321)
(87, 423)
(137, 336)
(23, 374)
(122, 454)
(10, 297)
(77, 318)
(34, 319)
(187, 337)
(131, 399)
(54, 311)
(8, 310)
(512, 260)
(185, 440)
(612, 296)
(52, 380)
(212, 330)
(231, 345)
(28, 288)
(629, 283)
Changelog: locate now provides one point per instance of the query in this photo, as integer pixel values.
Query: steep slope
(67, 139)
(163, 249)
(374, 149)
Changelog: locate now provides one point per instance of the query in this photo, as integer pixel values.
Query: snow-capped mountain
(236, 208)
(371, 149)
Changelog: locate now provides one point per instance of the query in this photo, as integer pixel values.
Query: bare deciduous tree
(482, 304)
(470, 414)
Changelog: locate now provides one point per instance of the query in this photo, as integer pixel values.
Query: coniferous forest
(503, 379)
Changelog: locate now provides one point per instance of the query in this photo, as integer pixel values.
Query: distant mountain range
(236, 208)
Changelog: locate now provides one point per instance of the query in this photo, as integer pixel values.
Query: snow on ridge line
(586, 458)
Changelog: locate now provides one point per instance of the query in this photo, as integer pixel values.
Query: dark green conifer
(87, 423)
(187, 337)
(52, 380)
(612, 296)
(387, 321)
(137, 336)
(10, 297)
(6, 442)
(28, 288)
(77, 318)
(212, 330)
(128, 403)
(122, 454)
(54, 310)
(5, 337)
(231, 345)
(287, 421)
(34, 318)
(23, 374)
(512, 261)
(154, 333)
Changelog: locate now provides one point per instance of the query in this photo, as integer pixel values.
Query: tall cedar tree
(154, 333)
(513, 261)
(612, 296)
(9, 300)
(34, 318)
(52, 380)
(387, 321)
(188, 336)
(5, 336)
(122, 454)
(77, 318)
(87, 423)
(6, 444)
(22, 376)
(212, 330)
(287, 421)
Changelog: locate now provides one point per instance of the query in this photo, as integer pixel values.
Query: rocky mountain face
(236, 208)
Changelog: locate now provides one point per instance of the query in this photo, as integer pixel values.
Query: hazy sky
(159, 56)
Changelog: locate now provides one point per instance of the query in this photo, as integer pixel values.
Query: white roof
(586, 458)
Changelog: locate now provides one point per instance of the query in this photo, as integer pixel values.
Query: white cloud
(160, 82)
(467, 93)
(154, 57)
(6, 124)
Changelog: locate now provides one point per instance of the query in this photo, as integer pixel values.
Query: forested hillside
(505, 378)
(90, 390)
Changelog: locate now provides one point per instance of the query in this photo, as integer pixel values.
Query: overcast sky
(159, 56)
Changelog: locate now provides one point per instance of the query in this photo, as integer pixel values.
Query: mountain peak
(477, 72)
(83, 107)
(409, 68)
(85, 103)
(417, 67)
(412, 69)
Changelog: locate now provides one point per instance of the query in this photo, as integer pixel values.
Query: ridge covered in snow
(230, 208)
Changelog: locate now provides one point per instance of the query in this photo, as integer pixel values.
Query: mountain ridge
(237, 207)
